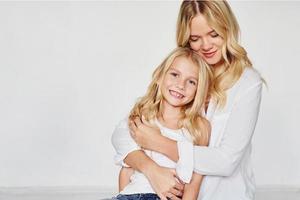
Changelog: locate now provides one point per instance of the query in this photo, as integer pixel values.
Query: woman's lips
(209, 55)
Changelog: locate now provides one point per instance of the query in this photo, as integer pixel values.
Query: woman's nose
(206, 45)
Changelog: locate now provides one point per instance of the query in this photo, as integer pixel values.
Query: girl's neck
(170, 116)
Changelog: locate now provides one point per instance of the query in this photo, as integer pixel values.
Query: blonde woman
(210, 29)
(171, 105)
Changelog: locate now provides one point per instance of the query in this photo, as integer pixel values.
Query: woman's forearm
(166, 146)
(139, 161)
(191, 190)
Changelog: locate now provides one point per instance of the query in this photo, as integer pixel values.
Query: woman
(209, 28)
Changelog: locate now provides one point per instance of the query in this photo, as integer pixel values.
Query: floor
(261, 195)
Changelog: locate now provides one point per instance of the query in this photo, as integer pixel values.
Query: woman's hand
(144, 133)
(165, 182)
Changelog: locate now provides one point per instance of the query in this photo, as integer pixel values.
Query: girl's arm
(191, 190)
(124, 177)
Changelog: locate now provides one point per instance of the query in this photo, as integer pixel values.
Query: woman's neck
(218, 68)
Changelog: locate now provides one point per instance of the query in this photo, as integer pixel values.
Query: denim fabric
(145, 196)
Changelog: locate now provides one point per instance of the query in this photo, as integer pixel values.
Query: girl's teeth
(177, 95)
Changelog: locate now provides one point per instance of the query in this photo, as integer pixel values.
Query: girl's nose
(181, 84)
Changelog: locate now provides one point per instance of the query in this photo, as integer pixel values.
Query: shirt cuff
(119, 158)
(185, 164)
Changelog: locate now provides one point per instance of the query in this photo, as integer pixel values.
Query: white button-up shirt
(226, 161)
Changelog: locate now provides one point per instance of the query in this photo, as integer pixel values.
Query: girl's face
(180, 82)
(205, 41)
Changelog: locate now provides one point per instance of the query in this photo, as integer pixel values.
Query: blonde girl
(211, 30)
(171, 105)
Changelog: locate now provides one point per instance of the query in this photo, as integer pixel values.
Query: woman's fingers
(132, 125)
(162, 197)
(179, 186)
(132, 128)
(137, 121)
(176, 192)
(171, 196)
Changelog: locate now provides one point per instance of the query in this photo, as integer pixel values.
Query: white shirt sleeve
(223, 159)
(123, 142)
(185, 164)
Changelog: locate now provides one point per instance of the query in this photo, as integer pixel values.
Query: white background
(70, 71)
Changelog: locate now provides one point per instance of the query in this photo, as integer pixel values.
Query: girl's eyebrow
(171, 68)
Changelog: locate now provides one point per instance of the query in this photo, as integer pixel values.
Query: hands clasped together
(163, 180)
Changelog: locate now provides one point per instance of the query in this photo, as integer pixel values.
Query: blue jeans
(144, 196)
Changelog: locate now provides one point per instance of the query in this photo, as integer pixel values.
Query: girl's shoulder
(123, 123)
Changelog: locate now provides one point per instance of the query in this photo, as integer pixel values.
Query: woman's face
(205, 41)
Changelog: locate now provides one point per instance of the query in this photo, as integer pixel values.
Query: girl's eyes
(174, 74)
(214, 35)
(192, 82)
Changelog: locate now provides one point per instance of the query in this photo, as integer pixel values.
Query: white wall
(69, 71)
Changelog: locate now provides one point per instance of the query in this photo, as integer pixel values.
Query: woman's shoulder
(251, 76)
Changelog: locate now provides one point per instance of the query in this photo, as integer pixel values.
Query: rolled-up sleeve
(222, 159)
(122, 142)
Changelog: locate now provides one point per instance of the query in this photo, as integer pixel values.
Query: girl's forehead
(185, 65)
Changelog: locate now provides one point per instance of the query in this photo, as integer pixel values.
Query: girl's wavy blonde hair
(220, 18)
(149, 106)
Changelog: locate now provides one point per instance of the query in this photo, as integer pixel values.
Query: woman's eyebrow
(212, 31)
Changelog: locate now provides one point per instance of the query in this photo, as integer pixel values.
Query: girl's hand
(144, 133)
(164, 182)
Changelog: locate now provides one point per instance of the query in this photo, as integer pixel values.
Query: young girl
(172, 103)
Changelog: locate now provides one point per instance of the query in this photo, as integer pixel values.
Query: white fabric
(227, 160)
(138, 182)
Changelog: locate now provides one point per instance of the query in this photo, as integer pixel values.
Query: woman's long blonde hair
(149, 106)
(220, 18)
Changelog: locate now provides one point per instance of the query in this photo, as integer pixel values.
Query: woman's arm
(223, 159)
(150, 138)
(128, 153)
(191, 190)
(163, 180)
